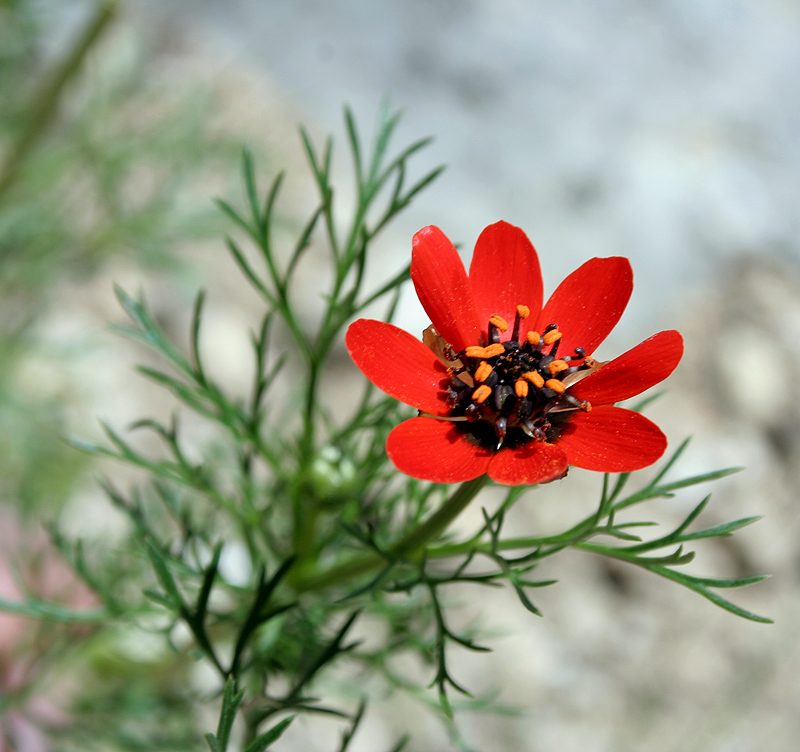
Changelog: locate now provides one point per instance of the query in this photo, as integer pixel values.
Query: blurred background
(666, 132)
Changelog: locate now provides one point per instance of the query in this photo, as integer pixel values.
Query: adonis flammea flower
(504, 385)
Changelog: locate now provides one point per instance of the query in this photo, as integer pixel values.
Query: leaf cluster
(297, 486)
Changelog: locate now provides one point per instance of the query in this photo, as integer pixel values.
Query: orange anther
(586, 407)
(475, 351)
(533, 338)
(589, 361)
(535, 378)
(555, 385)
(482, 371)
(523, 311)
(481, 394)
(497, 320)
(552, 336)
(493, 350)
(557, 366)
(521, 388)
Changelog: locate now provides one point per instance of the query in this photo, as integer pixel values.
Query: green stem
(47, 97)
(409, 545)
(557, 542)
(440, 520)
(546, 546)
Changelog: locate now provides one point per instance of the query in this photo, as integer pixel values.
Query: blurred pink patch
(28, 649)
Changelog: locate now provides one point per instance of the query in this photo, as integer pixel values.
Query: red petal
(588, 304)
(632, 372)
(505, 273)
(536, 462)
(436, 450)
(443, 288)
(611, 440)
(399, 364)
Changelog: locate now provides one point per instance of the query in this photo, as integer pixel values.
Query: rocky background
(666, 132)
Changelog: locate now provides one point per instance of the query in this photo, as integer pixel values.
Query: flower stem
(438, 522)
(411, 543)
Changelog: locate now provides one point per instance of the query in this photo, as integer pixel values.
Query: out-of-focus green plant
(100, 159)
(97, 159)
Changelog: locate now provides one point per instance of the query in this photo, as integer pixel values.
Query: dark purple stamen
(519, 406)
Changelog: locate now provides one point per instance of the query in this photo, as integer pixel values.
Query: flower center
(518, 386)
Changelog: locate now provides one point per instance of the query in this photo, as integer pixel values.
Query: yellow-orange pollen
(551, 337)
(484, 352)
(498, 321)
(519, 386)
(481, 394)
(535, 378)
(482, 371)
(556, 385)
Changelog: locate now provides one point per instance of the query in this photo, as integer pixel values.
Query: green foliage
(231, 700)
(288, 495)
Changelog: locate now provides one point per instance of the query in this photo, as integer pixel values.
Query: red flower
(504, 386)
